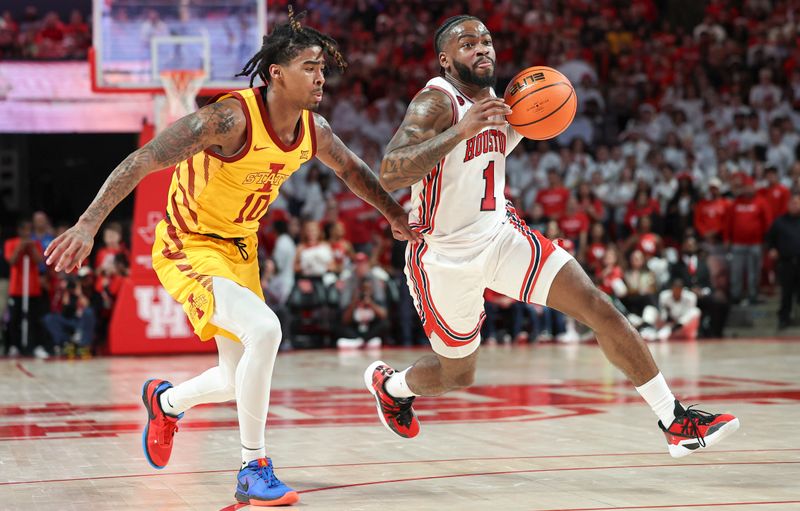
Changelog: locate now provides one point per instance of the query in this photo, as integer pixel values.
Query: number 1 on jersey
(489, 203)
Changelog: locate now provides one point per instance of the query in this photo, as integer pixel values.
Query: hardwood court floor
(547, 427)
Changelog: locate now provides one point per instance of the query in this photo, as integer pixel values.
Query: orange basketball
(543, 102)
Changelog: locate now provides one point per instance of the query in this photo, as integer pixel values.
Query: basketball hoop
(182, 86)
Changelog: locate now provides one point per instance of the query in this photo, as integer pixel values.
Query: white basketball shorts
(448, 290)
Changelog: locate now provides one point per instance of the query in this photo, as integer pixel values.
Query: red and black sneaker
(695, 429)
(160, 427)
(395, 413)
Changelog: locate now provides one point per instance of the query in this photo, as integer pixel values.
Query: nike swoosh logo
(246, 485)
(256, 148)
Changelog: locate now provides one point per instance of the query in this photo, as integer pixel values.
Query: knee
(264, 332)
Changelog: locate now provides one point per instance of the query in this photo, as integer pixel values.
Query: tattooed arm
(220, 125)
(359, 177)
(427, 134)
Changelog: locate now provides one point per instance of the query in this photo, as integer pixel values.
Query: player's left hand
(70, 249)
(400, 228)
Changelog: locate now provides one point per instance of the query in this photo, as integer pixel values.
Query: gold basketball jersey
(225, 196)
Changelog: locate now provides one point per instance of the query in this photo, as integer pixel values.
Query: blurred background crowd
(677, 186)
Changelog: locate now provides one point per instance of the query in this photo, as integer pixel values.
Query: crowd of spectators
(44, 37)
(682, 155)
(63, 314)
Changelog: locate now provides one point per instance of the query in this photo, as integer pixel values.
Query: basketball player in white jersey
(451, 149)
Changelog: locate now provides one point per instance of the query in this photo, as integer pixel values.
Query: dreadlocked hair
(284, 43)
(438, 36)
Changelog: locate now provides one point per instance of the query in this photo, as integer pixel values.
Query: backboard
(135, 41)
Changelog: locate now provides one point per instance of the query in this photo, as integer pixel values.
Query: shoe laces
(692, 418)
(400, 408)
(167, 432)
(266, 473)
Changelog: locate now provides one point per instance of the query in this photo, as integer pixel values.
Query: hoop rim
(190, 73)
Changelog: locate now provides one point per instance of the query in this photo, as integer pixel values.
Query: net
(182, 86)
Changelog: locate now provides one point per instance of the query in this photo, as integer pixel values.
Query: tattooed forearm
(405, 166)
(354, 172)
(360, 178)
(215, 124)
(420, 143)
(117, 186)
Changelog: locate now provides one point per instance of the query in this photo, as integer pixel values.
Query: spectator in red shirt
(775, 196)
(748, 221)
(21, 252)
(610, 278)
(591, 205)
(553, 198)
(76, 36)
(112, 245)
(574, 223)
(642, 205)
(9, 30)
(710, 213)
(359, 219)
(596, 248)
(644, 239)
(50, 37)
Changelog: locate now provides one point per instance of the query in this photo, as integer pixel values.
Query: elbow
(388, 184)
(388, 176)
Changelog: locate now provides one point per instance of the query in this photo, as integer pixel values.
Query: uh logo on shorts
(163, 315)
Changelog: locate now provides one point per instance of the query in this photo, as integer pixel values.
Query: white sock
(396, 385)
(212, 386)
(249, 455)
(657, 394)
(166, 405)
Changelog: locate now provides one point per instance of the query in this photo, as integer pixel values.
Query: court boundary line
(672, 506)
(541, 470)
(410, 462)
(24, 370)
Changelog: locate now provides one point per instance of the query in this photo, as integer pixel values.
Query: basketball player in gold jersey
(231, 158)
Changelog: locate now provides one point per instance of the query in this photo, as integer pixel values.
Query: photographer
(364, 318)
(16, 250)
(75, 320)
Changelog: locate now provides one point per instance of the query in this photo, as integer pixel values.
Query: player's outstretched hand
(485, 113)
(400, 228)
(70, 249)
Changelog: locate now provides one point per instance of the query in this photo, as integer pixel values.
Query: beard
(468, 75)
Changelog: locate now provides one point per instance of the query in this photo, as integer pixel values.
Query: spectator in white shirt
(677, 317)
(314, 255)
(764, 88)
(283, 257)
(665, 187)
(778, 154)
(547, 159)
(754, 135)
(604, 162)
(580, 164)
(674, 152)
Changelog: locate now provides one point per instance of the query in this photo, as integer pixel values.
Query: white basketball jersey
(461, 201)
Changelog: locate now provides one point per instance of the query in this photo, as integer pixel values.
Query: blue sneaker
(258, 486)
